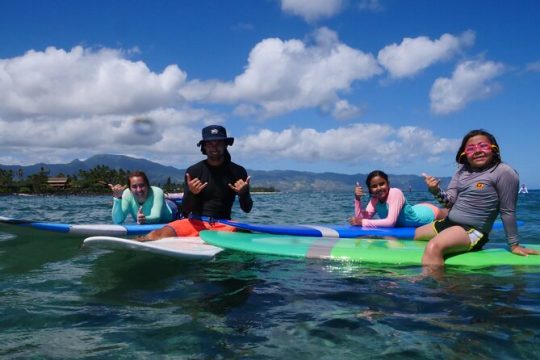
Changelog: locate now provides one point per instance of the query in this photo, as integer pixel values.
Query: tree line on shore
(85, 182)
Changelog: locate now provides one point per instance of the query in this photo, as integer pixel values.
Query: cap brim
(228, 141)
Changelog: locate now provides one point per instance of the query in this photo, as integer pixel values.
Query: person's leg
(451, 240)
(185, 228)
(425, 232)
(164, 232)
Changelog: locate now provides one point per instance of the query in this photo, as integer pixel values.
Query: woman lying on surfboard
(482, 188)
(390, 205)
(145, 203)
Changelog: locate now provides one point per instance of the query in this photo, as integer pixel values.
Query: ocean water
(60, 301)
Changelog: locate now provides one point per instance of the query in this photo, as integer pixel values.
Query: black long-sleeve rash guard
(217, 198)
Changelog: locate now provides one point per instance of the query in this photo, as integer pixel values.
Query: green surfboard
(397, 252)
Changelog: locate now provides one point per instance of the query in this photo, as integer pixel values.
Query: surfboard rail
(361, 250)
(178, 247)
(329, 230)
(27, 227)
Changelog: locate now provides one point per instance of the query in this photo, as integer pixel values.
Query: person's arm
(445, 198)
(153, 205)
(241, 187)
(121, 207)
(246, 202)
(193, 186)
(364, 214)
(187, 200)
(395, 202)
(507, 185)
(361, 215)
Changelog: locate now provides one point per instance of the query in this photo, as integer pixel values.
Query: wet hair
(373, 174)
(462, 159)
(139, 174)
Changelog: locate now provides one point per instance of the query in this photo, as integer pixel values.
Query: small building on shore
(58, 183)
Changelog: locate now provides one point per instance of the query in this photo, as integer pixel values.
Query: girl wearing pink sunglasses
(482, 188)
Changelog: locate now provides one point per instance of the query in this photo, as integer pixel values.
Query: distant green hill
(282, 180)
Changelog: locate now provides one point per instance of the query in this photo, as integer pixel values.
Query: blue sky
(342, 86)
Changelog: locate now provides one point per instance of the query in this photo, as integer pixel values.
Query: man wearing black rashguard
(210, 189)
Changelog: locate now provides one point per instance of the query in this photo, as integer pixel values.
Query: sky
(345, 86)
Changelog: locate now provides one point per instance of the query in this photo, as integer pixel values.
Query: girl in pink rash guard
(391, 206)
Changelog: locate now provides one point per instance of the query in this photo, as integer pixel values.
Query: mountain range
(282, 180)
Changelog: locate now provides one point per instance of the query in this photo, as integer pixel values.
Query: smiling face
(138, 188)
(378, 187)
(215, 150)
(479, 151)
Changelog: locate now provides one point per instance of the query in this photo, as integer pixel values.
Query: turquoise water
(60, 301)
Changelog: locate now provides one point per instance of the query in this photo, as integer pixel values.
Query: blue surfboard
(337, 231)
(27, 227)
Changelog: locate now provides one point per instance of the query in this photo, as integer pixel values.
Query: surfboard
(340, 231)
(180, 247)
(27, 227)
(377, 251)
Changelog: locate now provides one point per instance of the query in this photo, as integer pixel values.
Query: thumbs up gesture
(432, 183)
(141, 219)
(358, 191)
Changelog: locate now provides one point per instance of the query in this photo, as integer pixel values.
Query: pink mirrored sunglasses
(473, 148)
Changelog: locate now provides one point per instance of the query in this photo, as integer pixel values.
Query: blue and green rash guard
(155, 208)
(476, 197)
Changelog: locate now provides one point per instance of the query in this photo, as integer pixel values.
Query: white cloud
(177, 133)
(172, 141)
(370, 5)
(312, 10)
(534, 66)
(472, 80)
(81, 81)
(341, 110)
(283, 76)
(415, 54)
(355, 144)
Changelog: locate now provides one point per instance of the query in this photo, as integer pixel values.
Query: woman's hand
(117, 190)
(355, 221)
(141, 219)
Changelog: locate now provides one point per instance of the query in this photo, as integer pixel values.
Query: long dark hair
(138, 173)
(462, 159)
(373, 174)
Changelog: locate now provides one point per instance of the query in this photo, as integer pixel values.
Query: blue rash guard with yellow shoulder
(155, 208)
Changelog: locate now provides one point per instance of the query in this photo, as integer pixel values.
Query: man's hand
(195, 185)
(240, 186)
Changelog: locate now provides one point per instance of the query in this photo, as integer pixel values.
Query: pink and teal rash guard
(395, 212)
(155, 208)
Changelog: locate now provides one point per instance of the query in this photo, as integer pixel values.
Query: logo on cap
(214, 131)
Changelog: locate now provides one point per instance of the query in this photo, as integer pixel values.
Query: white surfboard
(180, 247)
